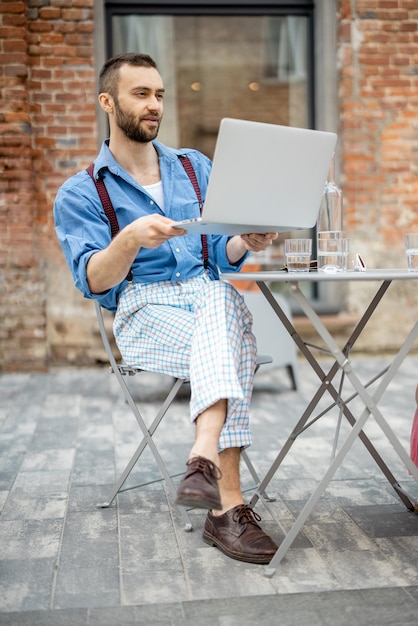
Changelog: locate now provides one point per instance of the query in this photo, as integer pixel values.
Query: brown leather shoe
(199, 487)
(238, 535)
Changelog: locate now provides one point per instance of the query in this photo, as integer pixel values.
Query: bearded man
(173, 315)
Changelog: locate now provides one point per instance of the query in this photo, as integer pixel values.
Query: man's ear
(106, 102)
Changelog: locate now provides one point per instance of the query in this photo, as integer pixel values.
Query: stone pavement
(65, 434)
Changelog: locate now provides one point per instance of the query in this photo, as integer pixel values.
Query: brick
(12, 58)
(41, 74)
(16, 116)
(16, 70)
(50, 13)
(76, 15)
(86, 27)
(14, 46)
(408, 26)
(65, 3)
(11, 32)
(12, 7)
(40, 27)
(66, 27)
(14, 20)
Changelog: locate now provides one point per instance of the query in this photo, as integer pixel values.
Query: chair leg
(255, 476)
(292, 375)
(148, 441)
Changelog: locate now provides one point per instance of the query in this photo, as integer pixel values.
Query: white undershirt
(156, 191)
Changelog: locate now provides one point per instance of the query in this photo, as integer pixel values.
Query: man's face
(139, 103)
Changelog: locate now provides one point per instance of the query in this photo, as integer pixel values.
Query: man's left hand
(255, 242)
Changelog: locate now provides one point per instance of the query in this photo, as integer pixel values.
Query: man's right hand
(151, 231)
(107, 268)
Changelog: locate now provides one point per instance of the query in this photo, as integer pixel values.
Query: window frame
(219, 7)
(322, 69)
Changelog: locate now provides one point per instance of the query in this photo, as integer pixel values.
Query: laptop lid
(265, 178)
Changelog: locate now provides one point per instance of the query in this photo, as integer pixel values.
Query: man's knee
(227, 293)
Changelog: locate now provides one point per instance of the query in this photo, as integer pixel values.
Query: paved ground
(64, 435)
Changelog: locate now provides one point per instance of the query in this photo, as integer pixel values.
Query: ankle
(227, 506)
(206, 454)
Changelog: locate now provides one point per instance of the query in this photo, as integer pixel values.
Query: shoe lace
(206, 467)
(245, 515)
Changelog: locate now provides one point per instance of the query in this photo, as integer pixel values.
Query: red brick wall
(378, 103)
(47, 132)
(378, 115)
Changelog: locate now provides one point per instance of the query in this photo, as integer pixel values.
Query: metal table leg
(343, 363)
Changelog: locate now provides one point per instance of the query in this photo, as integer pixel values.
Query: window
(227, 59)
(221, 60)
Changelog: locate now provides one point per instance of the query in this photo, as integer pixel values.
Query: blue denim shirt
(83, 228)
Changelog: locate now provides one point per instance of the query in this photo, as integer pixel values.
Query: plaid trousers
(197, 329)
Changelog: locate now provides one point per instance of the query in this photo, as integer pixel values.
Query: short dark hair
(109, 74)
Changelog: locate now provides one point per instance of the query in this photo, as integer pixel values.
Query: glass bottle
(330, 216)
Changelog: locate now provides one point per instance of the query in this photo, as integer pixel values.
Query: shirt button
(177, 249)
(177, 274)
(151, 202)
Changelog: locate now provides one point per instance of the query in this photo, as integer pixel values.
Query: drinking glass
(411, 249)
(298, 254)
(333, 254)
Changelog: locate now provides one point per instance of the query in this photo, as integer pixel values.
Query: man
(174, 316)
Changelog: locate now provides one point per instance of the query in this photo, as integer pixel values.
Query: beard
(131, 126)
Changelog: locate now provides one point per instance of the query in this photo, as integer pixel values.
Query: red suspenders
(110, 211)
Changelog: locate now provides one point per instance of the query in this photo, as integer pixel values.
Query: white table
(342, 364)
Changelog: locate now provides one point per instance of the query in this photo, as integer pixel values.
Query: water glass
(332, 254)
(330, 234)
(298, 254)
(411, 249)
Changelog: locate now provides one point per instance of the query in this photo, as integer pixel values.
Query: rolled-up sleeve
(82, 229)
(222, 260)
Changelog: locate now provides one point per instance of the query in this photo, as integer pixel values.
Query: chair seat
(262, 359)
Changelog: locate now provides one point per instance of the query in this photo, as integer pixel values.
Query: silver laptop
(265, 178)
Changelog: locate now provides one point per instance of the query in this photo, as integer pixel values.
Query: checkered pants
(197, 329)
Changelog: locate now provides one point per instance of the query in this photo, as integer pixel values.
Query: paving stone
(30, 539)
(62, 405)
(94, 466)
(365, 568)
(23, 505)
(90, 540)
(81, 587)
(139, 587)
(54, 433)
(384, 520)
(25, 583)
(402, 552)
(48, 460)
(130, 615)
(63, 433)
(72, 617)
(87, 497)
(154, 549)
(41, 482)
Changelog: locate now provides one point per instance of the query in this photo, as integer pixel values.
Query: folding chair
(279, 343)
(121, 370)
